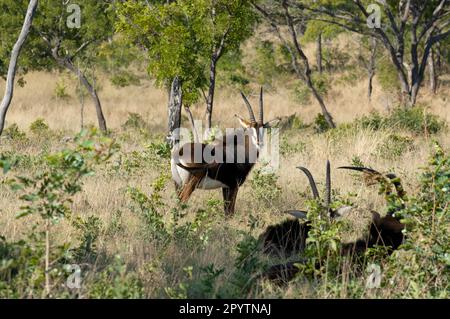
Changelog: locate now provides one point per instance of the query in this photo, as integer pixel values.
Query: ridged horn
(261, 107)
(312, 183)
(249, 108)
(392, 178)
(361, 169)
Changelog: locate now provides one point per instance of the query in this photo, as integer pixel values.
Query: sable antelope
(234, 156)
(291, 234)
(387, 230)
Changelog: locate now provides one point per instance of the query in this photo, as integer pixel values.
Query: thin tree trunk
(306, 74)
(47, 258)
(370, 85)
(9, 89)
(319, 53)
(194, 129)
(432, 72)
(174, 109)
(413, 95)
(211, 90)
(98, 106)
(372, 66)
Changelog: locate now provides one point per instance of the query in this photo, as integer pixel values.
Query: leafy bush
(34, 266)
(135, 121)
(265, 186)
(124, 79)
(264, 63)
(39, 127)
(335, 58)
(151, 209)
(61, 90)
(89, 230)
(239, 80)
(387, 76)
(303, 94)
(395, 146)
(320, 124)
(116, 282)
(287, 148)
(14, 133)
(425, 258)
(415, 120)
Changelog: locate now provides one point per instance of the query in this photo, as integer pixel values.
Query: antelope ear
(244, 123)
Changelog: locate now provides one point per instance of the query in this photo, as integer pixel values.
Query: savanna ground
(133, 239)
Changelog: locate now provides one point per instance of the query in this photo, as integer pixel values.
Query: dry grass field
(121, 226)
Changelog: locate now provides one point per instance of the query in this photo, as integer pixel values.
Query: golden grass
(104, 195)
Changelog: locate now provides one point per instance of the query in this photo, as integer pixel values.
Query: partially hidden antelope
(290, 236)
(230, 159)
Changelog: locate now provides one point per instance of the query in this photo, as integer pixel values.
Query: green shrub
(116, 282)
(287, 148)
(424, 259)
(264, 63)
(61, 90)
(373, 121)
(88, 232)
(334, 58)
(135, 121)
(416, 120)
(302, 94)
(39, 127)
(395, 146)
(48, 195)
(387, 76)
(124, 79)
(150, 210)
(265, 186)
(14, 133)
(320, 124)
(239, 80)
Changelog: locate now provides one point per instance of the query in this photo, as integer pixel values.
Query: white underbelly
(209, 183)
(181, 176)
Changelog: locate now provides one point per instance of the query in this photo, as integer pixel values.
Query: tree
(300, 63)
(187, 38)
(409, 31)
(9, 90)
(371, 45)
(319, 31)
(60, 37)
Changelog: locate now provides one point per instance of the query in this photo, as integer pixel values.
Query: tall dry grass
(104, 195)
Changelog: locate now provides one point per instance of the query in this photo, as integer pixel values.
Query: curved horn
(249, 108)
(261, 107)
(328, 187)
(312, 183)
(398, 185)
(361, 169)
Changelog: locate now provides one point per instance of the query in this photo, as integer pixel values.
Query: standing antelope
(225, 163)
